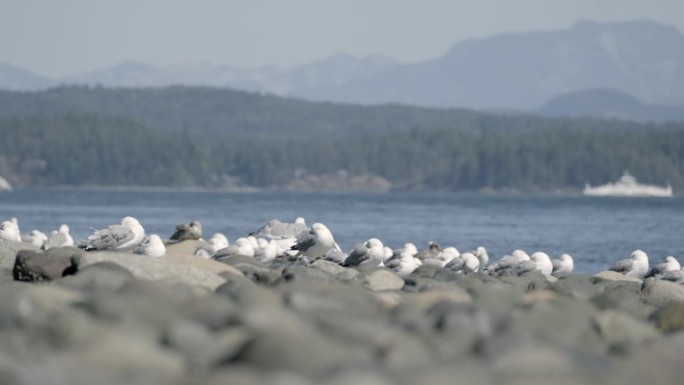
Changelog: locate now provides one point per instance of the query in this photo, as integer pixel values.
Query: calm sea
(595, 231)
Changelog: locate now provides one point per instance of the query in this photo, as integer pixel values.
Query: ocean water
(595, 231)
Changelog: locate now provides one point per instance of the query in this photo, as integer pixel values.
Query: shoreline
(185, 319)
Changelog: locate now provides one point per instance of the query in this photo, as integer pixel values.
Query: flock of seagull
(296, 241)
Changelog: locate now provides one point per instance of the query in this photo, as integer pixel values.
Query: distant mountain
(609, 103)
(511, 71)
(327, 72)
(523, 70)
(14, 78)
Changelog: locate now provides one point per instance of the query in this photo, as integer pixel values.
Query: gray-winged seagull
(128, 234)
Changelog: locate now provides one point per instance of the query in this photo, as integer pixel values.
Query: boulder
(54, 263)
(382, 279)
(614, 276)
(670, 318)
(662, 293)
(172, 267)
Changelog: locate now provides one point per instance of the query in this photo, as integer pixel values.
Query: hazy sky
(65, 37)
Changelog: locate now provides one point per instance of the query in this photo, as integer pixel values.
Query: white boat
(627, 186)
(4, 185)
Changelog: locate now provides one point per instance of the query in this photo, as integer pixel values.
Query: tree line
(89, 149)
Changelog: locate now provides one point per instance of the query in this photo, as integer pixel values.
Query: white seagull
(563, 266)
(635, 266)
(404, 265)
(35, 237)
(60, 238)
(543, 262)
(126, 235)
(671, 264)
(152, 246)
(366, 255)
(314, 243)
(9, 231)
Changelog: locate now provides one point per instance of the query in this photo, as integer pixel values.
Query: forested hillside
(80, 136)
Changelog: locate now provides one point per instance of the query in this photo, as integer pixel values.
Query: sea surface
(596, 231)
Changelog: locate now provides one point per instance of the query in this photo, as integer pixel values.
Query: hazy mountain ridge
(330, 71)
(609, 103)
(524, 70)
(511, 71)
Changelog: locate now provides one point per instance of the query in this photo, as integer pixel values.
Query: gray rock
(619, 328)
(302, 274)
(9, 250)
(578, 286)
(202, 349)
(243, 374)
(425, 271)
(659, 362)
(309, 352)
(101, 276)
(328, 267)
(114, 357)
(366, 377)
(171, 267)
(333, 300)
(348, 274)
(466, 371)
(145, 306)
(252, 269)
(529, 281)
(615, 276)
(215, 312)
(36, 266)
(383, 279)
(662, 293)
(563, 322)
(529, 362)
(622, 295)
(670, 318)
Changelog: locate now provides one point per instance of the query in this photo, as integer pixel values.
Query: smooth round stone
(381, 280)
(670, 318)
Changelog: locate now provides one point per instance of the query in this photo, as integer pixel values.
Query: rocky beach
(69, 316)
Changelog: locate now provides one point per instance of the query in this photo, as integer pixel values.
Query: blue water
(595, 231)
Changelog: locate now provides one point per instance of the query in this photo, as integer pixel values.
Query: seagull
(676, 276)
(470, 263)
(366, 255)
(562, 266)
(209, 248)
(219, 241)
(635, 266)
(128, 234)
(543, 262)
(191, 231)
(245, 246)
(433, 251)
(335, 255)
(60, 238)
(509, 261)
(443, 258)
(671, 264)
(315, 242)
(482, 256)
(456, 264)
(268, 252)
(152, 246)
(403, 265)
(9, 231)
(408, 248)
(35, 237)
